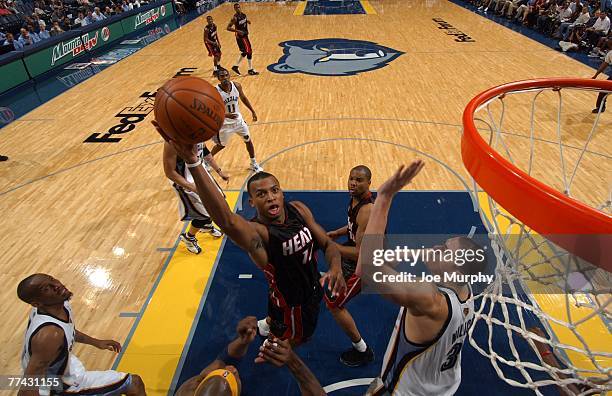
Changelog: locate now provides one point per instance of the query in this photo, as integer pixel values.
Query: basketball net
(538, 281)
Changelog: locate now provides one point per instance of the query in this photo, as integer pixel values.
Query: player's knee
(137, 386)
(200, 223)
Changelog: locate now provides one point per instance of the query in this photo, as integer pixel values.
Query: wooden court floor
(96, 215)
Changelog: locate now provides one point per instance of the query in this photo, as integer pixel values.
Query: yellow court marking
(552, 300)
(299, 10)
(156, 346)
(367, 7)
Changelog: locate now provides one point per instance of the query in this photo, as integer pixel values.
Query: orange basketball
(189, 109)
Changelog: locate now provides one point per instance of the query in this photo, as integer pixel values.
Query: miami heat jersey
(353, 211)
(39, 320)
(242, 24)
(231, 103)
(433, 368)
(292, 264)
(211, 33)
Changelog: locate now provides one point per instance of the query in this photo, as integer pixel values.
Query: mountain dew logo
(74, 47)
(149, 16)
(105, 33)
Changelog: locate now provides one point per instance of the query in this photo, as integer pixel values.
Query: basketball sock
(360, 346)
(253, 160)
(250, 61)
(190, 235)
(215, 67)
(238, 61)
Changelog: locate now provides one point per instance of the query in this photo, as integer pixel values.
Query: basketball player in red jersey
(281, 240)
(212, 43)
(240, 25)
(359, 208)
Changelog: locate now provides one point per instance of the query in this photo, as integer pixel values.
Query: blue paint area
(333, 7)
(332, 57)
(531, 33)
(230, 299)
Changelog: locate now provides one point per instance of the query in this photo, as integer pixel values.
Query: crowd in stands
(578, 24)
(24, 23)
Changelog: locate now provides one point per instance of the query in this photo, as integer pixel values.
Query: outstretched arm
(242, 232)
(245, 100)
(279, 353)
(418, 297)
(169, 161)
(601, 69)
(337, 284)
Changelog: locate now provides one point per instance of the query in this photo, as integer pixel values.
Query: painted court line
(129, 314)
(139, 317)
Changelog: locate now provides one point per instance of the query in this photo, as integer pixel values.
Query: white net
(556, 138)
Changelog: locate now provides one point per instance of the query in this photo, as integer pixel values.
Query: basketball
(189, 109)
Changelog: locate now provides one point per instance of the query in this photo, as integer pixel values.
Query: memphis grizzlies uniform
(427, 369)
(76, 380)
(231, 125)
(190, 204)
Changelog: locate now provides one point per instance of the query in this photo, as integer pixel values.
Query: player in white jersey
(424, 353)
(231, 93)
(49, 339)
(190, 204)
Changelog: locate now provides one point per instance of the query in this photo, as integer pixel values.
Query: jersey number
(451, 357)
(307, 255)
(231, 108)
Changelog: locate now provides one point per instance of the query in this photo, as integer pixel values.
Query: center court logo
(332, 57)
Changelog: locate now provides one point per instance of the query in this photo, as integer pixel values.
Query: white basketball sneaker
(255, 167)
(216, 233)
(191, 243)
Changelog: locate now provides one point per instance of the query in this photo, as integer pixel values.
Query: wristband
(195, 164)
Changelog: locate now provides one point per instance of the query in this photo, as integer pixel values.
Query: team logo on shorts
(6, 115)
(105, 33)
(332, 57)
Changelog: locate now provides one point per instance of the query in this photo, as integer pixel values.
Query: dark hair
(258, 176)
(364, 169)
(24, 289)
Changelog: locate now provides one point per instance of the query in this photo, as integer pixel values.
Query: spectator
(10, 40)
(4, 9)
(567, 27)
(89, 18)
(43, 34)
(601, 98)
(65, 24)
(2, 35)
(125, 7)
(108, 11)
(80, 19)
(599, 29)
(56, 29)
(118, 10)
(97, 15)
(26, 38)
(137, 4)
